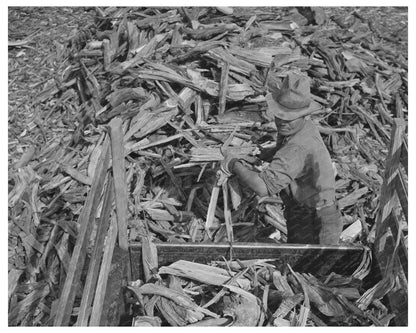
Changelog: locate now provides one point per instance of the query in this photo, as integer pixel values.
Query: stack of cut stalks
(252, 293)
(132, 135)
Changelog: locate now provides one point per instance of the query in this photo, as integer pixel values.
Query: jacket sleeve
(287, 165)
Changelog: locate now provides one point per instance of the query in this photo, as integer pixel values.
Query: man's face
(288, 127)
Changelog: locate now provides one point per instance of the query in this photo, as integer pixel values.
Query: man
(300, 168)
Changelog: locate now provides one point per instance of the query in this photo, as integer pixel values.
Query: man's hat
(293, 100)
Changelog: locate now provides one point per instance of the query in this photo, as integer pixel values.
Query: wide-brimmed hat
(293, 100)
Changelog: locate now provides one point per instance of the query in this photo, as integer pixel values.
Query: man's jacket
(302, 166)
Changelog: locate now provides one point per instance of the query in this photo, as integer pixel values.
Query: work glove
(231, 157)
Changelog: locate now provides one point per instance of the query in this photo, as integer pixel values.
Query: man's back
(315, 184)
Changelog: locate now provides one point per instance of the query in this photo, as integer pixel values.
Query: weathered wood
(85, 222)
(100, 291)
(114, 305)
(120, 186)
(387, 191)
(389, 239)
(94, 266)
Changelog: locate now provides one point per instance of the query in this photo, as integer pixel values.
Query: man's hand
(231, 157)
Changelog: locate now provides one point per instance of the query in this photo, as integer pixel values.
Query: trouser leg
(310, 226)
(329, 219)
(301, 225)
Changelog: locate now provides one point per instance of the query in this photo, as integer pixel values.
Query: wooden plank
(388, 200)
(395, 245)
(104, 272)
(311, 258)
(114, 304)
(85, 222)
(392, 165)
(92, 275)
(120, 187)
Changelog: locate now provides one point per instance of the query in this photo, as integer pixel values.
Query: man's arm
(251, 179)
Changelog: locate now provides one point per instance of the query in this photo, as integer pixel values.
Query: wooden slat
(387, 190)
(104, 272)
(398, 298)
(120, 186)
(85, 221)
(113, 305)
(314, 259)
(388, 230)
(92, 275)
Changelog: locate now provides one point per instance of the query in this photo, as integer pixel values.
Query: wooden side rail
(390, 246)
